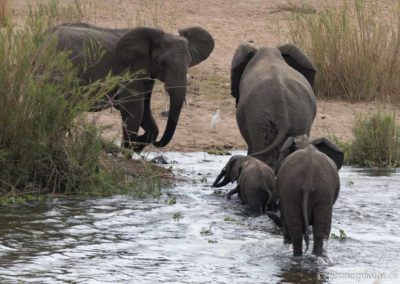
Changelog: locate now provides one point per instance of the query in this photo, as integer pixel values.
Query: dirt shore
(260, 22)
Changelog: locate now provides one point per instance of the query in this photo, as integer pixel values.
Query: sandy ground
(261, 22)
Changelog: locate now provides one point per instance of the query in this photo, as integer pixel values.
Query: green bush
(356, 52)
(376, 141)
(44, 145)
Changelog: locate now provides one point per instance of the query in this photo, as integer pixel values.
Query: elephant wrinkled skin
(159, 55)
(307, 186)
(274, 97)
(255, 181)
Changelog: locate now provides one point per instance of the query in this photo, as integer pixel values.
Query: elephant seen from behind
(306, 188)
(255, 181)
(155, 53)
(274, 97)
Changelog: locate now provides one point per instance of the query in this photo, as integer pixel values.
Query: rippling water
(203, 238)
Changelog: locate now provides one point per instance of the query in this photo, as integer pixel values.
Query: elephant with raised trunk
(159, 55)
(255, 181)
(274, 97)
(307, 187)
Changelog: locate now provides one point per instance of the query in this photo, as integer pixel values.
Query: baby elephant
(255, 181)
(307, 186)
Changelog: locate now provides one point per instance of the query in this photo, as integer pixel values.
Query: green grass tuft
(376, 141)
(219, 152)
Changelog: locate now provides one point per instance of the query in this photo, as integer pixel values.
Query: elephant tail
(306, 195)
(280, 138)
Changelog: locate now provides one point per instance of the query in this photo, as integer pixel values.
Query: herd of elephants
(294, 180)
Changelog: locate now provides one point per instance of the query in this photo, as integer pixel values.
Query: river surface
(202, 238)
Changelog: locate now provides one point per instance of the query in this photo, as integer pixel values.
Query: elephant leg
(294, 224)
(130, 125)
(273, 206)
(286, 235)
(232, 192)
(321, 218)
(318, 246)
(148, 123)
(276, 218)
(297, 245)
(131, 107)
(255, 205)
(259, 200)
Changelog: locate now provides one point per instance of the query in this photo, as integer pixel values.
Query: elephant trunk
(177, 94)
(224, 182)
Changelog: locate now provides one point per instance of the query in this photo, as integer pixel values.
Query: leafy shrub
(355, 51)
(44, 146)
(376, 141)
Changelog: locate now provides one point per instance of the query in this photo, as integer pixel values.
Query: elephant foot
(297, 247)
(318, 248)
(134, 144)
(138, 148)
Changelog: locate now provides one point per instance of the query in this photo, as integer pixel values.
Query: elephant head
(166, 57)
(290, 53)
(323, 144)
(230, 172)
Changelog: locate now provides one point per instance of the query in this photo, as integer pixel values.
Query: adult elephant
(274, 97)
(159, 55)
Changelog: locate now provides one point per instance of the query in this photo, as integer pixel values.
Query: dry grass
(3, 12)
(303, 8)
(356, 53)
(153, 13)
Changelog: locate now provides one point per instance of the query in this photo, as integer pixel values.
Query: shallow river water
(202, 238)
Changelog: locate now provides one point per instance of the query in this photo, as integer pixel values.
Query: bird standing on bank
(214, 120)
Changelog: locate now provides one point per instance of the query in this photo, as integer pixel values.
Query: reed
(355, 51)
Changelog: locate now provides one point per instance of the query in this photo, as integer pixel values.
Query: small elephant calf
(255, 181)
(307, 186)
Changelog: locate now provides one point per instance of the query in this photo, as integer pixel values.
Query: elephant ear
(243, 54)
(134, 48)
(201, 43)
(299, 61)
(331, 150)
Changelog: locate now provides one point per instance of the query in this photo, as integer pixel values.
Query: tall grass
(376, 141)
(3, 12)
(155, 13)
(44, 146)
(356, 52)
